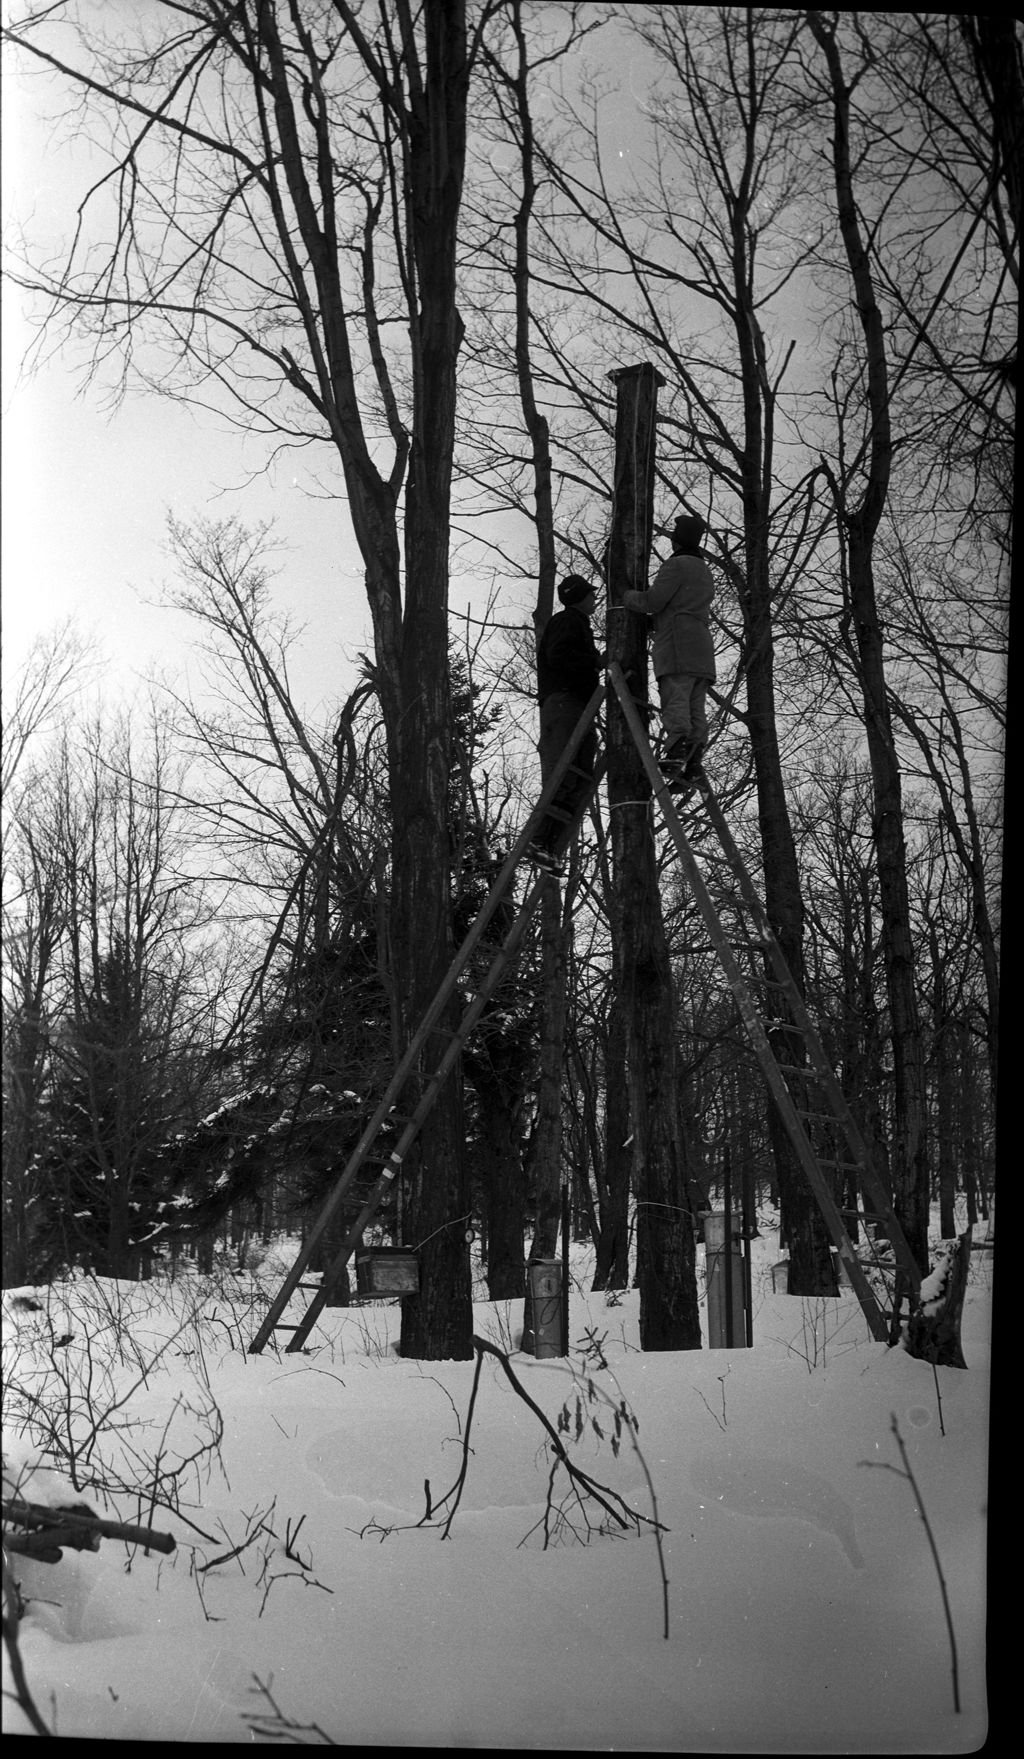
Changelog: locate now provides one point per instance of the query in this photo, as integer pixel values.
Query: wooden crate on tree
(387, 1270)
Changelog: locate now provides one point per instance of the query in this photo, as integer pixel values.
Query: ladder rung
(289, 1327)
(848, 1166)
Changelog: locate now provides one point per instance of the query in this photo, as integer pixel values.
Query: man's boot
(673, 762)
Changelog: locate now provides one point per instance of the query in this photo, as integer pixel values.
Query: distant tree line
(176, 1073)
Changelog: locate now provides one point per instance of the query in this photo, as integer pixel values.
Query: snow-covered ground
(805, 1613)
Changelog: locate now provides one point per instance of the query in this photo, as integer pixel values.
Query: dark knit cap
(688, 529)
(574, 588)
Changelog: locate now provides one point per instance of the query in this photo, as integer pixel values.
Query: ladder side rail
(356, 1159)
(478, 927)
(361, 1151)
(399, 1078)
(751, 1019)
(393, 1166)
(753, 903)
(820, 1066)
(776, 1083)
(821, 1069)
(519, 847)
(412, 1053)
(397, 1154)
(452, 1053)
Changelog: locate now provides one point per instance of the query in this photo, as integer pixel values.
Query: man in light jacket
(679, 600)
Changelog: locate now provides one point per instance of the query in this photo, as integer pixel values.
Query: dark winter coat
(679, 600)
(567, 656)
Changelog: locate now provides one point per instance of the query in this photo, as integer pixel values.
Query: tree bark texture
(666, 1257)
(423, 112)
(811, 1269)
(438, 1322)
(498, 1084)
(859, 525)
(612, 1174)
(546, 1155)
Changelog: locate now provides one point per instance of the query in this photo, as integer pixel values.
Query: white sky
(86, 492)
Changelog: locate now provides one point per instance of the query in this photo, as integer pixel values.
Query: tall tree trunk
(424, 113)
(546, 1153)
(859, 526)
(497, 1091)
(666, 1257)
(612, 1266)
(943, 1087)
(438, 1322)
(969, 1123)
(803, 1228)
(910, 1144)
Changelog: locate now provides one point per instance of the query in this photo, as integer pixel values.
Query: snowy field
(804, 1609)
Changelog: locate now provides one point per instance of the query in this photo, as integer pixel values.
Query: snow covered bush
(82, 1363)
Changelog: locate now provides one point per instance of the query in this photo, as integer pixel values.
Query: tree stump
(933, 1333)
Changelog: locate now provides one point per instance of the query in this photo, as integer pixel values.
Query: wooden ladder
(807, 1094)
(384, 1116)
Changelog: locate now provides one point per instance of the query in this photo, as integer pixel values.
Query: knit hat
(574, 588)
(688, 529)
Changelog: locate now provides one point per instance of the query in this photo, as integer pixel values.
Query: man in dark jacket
(679, 600)
(568, 673)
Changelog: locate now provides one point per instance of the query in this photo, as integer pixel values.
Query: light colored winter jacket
(679, 600)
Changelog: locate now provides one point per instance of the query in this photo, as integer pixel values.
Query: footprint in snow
(756, 1485)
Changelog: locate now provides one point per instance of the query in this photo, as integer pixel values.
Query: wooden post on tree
(666, 1257)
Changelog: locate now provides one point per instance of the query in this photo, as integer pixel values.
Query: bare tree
(286, 181)
(958, 84)
(34, 921)
(711, 223)
(296, 809)
(512, 66)
(115, 989)
(56, 669)
(951, 707)
(845, 972)
(861, 486)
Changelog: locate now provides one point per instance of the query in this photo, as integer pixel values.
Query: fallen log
(35, 1530)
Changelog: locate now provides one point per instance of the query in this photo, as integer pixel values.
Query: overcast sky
(86, 491)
